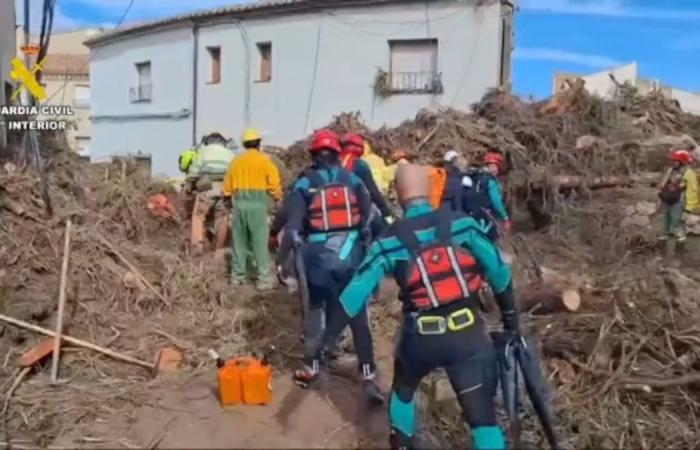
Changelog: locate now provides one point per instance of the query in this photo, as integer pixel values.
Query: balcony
(415, 83)
(140, 94)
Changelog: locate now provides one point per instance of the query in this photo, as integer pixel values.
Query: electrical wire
(65, 83)
(313, 80)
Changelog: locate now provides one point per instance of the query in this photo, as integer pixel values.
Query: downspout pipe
(195, 80)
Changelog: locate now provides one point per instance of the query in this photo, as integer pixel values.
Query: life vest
(438, 273)
(347, 161)
(475, 198)
(334, 205)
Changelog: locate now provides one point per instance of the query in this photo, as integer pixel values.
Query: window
(413, 66)
(215, 64)
(144, 87)
(82, 96)
(265, 50)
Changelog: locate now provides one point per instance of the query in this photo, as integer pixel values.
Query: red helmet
(353, 143)
(494, 158)
(681, 156)
(325, 140)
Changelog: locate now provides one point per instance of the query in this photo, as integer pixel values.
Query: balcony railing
(140, 93)
(416, 83)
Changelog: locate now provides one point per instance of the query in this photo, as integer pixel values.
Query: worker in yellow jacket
(378, 168)
(252, 178)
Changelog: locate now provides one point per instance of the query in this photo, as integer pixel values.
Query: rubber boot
(399, 441)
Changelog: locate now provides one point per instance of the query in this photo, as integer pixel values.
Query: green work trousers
(673, 220)
(250, 236)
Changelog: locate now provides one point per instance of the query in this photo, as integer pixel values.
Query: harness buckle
(460, 320)
(431, 325)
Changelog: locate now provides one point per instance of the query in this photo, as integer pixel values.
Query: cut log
(567, 182)
(546, 298)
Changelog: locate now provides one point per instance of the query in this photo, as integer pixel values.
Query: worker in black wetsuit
(330, 207)
(440, 259)
(352, 149)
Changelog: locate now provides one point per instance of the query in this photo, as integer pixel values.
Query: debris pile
(131, 289)
(625, 360)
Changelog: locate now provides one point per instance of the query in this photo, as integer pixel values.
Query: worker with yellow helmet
(252, 178)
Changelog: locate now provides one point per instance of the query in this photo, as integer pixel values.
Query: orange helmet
(681, 156)
(398, 154)
(494, 158)
(353, 143)
(325, 140)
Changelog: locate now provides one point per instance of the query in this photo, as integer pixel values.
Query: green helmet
(186, 159)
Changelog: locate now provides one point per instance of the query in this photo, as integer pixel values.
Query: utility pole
(31, 140)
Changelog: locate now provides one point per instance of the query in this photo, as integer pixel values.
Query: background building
(287, 66)
(602, 84)
(66, 78)
(7, 52)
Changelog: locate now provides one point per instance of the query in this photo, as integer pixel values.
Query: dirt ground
(182, 410)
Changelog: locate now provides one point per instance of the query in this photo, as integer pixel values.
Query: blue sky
(579, 36)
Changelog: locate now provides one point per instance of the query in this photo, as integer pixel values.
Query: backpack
(334, 205)
(475, 198)
(439, 273)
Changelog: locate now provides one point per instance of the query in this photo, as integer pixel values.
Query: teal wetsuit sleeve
(366, 279)
(497, 199)
(467, 234)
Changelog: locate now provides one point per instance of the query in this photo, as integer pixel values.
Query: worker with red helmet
(328, 223)
(352, 148)
(679, 196)
(482, 197)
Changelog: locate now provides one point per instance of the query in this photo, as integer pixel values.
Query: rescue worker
(452, 193)
(679, 196)
(439, 259)
(482, 198)
(352, 149)
(330, 206)
(378, 168)
(205, 175)
(251, 180)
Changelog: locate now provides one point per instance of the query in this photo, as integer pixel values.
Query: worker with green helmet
(251, 180)
(205, 177)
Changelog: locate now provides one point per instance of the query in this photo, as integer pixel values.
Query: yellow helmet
(250, 135)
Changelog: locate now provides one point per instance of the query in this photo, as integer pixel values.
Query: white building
(287, 66)
(605, 84)
(7, 52)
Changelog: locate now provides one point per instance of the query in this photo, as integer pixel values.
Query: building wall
(690, 101)
(7, 51)
(162, 127)
(322, 64)
(61, 88)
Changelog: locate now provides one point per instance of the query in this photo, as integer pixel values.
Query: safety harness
(438, 273)
(334, 205)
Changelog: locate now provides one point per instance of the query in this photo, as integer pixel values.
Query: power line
(65, 83)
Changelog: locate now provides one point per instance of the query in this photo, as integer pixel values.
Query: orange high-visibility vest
(437, 179)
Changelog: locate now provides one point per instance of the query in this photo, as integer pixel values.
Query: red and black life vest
(439, 273)
(348, 160)
(334, 205)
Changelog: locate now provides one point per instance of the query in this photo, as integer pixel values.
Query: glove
(389, 219)
(273, 243)
(511, 324)
(507, 225)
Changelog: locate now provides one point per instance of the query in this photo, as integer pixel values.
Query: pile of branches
(131, 288)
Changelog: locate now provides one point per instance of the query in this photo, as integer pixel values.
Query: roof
(65, 64)
(256, 9)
